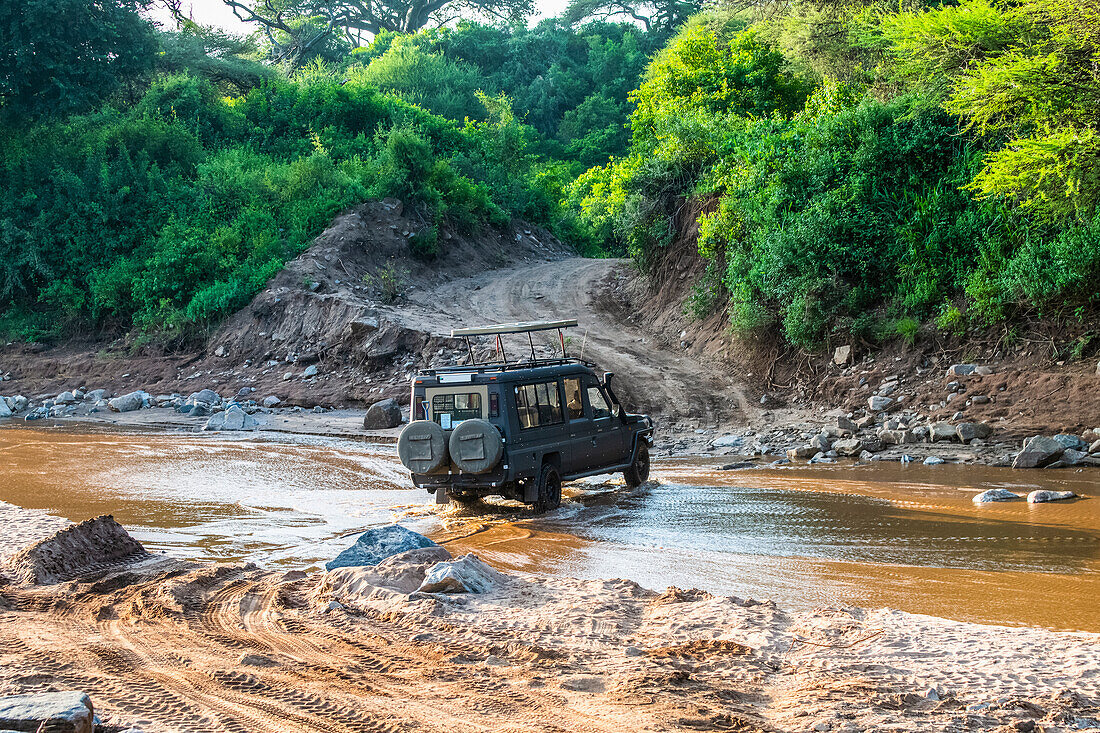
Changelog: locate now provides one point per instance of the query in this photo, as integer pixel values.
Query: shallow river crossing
(907, 537)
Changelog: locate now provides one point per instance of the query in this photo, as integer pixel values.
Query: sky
(216, 13)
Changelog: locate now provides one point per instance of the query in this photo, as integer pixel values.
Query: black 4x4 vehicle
(518, 429)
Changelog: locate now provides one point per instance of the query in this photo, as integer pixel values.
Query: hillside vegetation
(872, 169)
(868, 167)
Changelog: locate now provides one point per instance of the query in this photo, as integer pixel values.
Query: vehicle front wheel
(549, 489)
(638, 473)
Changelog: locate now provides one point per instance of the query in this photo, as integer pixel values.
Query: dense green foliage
(865, 167)
(946, 157)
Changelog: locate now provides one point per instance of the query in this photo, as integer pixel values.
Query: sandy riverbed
(173, 646)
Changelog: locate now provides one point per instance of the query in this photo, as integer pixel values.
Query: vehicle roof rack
(485, 368)
(527, 327)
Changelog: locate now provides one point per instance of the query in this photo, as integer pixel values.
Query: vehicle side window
(574, 405)
(600, 408)
(538, 404)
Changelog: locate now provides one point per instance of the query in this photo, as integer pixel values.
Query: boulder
(468, 574)
(271, 401)
(1095, 447)
(980, 399)
(843, 355)
(232, 418)
(382, 415)
(378, 543)
(844, 425)
(896, 437)
(1042, 496)
(867, 421)
(65, 398)
(968, 431)
(992, 495)
(95, 395)
(850, 447)
(942, 431)
(728, 441)
(878, 403)
(821, 442)
(207, 396)
(5, 411)
(310, 371)
(871, 443)
(1071, 441)
(1069, 458)
(55, 712)
(18, 403)
(127, 402)
(933, 461)
(802, 451)
(199, 410)
(403, 573)
(961, 370)
(1038, 451)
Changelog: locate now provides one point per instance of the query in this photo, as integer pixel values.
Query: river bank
(163, 644)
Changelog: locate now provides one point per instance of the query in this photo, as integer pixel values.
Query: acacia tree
(661, 16)
(295, 28)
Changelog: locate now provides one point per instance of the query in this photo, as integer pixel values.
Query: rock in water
(1039, 497)
(56, 712)
(383, 414)
(77, 547)
(375, 545)
(468, 574)
(127, 402)
(1038, 451)
(995, 495)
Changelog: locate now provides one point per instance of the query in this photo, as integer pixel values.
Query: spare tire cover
(476, 446)
(422, 447)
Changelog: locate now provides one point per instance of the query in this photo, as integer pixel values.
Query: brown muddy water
(906, 537)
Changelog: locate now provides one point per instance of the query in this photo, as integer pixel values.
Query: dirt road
(649, 378)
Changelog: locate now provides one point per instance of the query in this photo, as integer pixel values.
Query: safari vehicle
(519, 428)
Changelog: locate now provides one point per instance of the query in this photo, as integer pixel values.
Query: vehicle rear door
(608, 439)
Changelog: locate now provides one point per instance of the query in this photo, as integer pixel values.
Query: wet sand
(904, 537)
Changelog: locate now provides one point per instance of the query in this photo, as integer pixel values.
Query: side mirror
(607, 377)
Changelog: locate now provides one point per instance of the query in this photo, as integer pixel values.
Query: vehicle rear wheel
(549, 489)
(638, 473)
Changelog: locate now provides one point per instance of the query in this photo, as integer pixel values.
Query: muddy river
(907, 537)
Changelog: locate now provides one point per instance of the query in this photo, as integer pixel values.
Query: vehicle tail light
(494, 405)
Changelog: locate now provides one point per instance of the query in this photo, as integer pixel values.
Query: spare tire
(476, 446)
(422, 447)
